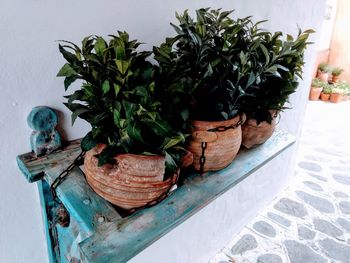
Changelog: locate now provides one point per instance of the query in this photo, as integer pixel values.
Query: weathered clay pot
(135, 180)
(315, 93)
(335, 97)
(335, 79)
(325, 97)
(221, 145)
(324, 76)
(253, 134)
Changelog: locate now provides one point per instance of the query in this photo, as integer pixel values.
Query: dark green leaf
(88, 142)
(105, 86)
(100, 46)
(69, 80)
(66, 71)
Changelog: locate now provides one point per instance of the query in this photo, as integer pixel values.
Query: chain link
(204, 145)
(202, 159)
(62, 176)
(156, 201)
(79, 160)
(225, 128)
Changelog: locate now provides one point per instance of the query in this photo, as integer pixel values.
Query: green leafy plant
(317, 83)
(324, 67)
(281, 62)
(205, 67)
(327, 88)
(337, 71)
(117, 97)
(341, 87)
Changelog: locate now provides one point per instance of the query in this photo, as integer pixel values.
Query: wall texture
(29, 62)
(328, 24)
(340, 44)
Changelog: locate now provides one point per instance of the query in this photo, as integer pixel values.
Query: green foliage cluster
(117, 98)
(336, 71)
(281, 62)
(207, 61)
(317, 83)
(214, 68)
(325, 68)
(327, 88)
(342, 87)
(225, 66)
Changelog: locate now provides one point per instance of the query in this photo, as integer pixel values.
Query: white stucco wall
(328, 24)
(29, 61)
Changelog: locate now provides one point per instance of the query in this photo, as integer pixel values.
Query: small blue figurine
(45, 138)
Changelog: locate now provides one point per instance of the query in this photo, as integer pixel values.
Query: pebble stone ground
(310, 221)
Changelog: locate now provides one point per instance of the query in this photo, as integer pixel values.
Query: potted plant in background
(336, 72)
(323, 71)
(134, 153)
(344, 87)
(347, 91)
(337, 94)
(326, 92)
(316, 89)
(281, 62)
(204, 60)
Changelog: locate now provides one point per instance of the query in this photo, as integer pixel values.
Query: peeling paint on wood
(34, 167)
(125, 238)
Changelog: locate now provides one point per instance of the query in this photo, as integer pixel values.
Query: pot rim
(197, 124)
(133, 155)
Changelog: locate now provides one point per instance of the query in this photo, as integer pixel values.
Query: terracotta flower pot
(335, 97)
(215, 143)
(135, 180)
(253, 134)
(335, 79)
(325, 97)
(324, 76)
(315, 93)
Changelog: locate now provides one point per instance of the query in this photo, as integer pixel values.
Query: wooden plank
(33, 167)
(122, 239)
(87, 208)
(50, 233)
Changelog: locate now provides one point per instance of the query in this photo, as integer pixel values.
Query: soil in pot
(315, 93)
(325, 97)
(335, 97)
(133, 182)
(215, 144)
(254, 134)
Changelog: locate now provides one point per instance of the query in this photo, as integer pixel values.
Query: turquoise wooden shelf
(97, 233)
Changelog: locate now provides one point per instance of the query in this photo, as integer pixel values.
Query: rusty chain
(204, 145)
(62, 176)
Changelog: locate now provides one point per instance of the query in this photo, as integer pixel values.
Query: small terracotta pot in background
(324, 76)
(315, 93)
(335, 79)
(325, 97)
(216, 143)
(254, 134)
(336, 97)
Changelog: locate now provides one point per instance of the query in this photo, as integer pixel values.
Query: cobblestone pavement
(310, 221)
